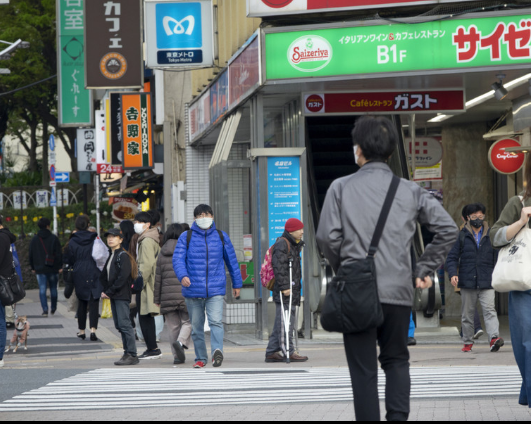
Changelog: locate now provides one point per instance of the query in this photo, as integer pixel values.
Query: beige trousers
(179, 328)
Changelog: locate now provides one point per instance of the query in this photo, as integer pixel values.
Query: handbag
(11, 289)
(513, 270)
(68, 277)
(49, 260)
(352, 304)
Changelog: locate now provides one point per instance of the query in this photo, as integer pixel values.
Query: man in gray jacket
(348, 221)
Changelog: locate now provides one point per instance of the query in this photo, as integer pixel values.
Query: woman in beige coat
(148, 252)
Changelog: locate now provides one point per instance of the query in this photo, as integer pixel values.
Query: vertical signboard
(137, 131)
(86, 150)
(75, 102)
(244, 73)
(115, 128)
(179, 34)
(199, 114)
(284, 193)
(101, 138)
(113, 54)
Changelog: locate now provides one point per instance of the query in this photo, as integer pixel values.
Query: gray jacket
(348, 221)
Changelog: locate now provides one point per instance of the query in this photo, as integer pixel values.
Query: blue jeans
(213, 307)
(520, 324)
(122, 322)
(3, 331)
(45, 280)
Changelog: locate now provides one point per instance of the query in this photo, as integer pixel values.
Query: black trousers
(394, 358)
(148, 327)
(93, 307)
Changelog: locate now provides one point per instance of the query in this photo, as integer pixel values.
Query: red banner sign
(283, 7)
(110, 169)
(506, 162)
(385, 102)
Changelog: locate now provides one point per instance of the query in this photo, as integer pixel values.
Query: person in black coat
(86, 276)
(6, 270)
(46, 261)
(117, 279)
(470, 265)
(287, 249)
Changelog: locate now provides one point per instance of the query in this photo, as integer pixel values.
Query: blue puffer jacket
(473, 266)
(204, 263)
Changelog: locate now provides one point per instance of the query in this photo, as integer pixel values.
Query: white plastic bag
(513, 270)
(100, 253)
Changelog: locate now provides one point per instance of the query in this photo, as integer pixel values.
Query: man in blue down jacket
(199, 263)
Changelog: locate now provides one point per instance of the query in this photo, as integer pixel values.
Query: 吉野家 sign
(179, 34)
(506, 162)
(137, 131)
(114, 40)
(74, 101)
(259, 8)
(463, 44)
(385, 102)
(284, 193)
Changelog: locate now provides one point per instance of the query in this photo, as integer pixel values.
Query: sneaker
(151, 354)
(53, 313)
(179, 351)
(496, 344)
(1, 363)
(275, 357)
(177, 361)
(478, 334)
(411, 341)
(217, 359)
(45, 315)
(467, 348)
(199, 364)
(127, 360)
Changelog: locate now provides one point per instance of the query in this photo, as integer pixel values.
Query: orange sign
(137, 131)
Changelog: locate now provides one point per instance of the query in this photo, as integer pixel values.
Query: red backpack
(267, 275)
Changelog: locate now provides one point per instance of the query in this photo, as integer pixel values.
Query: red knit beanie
(293, 225)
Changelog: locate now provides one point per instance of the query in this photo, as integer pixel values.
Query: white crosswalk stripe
(144, 388)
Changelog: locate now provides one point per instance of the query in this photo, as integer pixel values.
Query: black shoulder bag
(11, 289)
(352, 304)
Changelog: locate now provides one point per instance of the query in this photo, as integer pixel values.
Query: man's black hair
(82, 223)
(477, 207)
(376, 136)
(203, 209)
(44, 223)
(465, 213)
(155, 217)
(143, 217)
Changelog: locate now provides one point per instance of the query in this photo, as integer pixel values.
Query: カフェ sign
(506, 162)
(113, 44)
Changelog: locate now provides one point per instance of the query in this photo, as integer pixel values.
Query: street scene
(265, 210)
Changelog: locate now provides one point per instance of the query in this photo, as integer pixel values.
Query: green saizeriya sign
(441, 45)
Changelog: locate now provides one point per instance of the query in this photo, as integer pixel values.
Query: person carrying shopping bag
(117, 279)
(169, 297)
(514, 223)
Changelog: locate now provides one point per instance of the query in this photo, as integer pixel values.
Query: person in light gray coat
(169, 296)
(348, 221)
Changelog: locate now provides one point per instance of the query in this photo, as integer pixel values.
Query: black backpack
(138, 284)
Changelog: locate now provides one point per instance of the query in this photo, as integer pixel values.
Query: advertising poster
(124, 208)
(219, 97)
(41, 198)
(244, 73)
(428, 153)
(284, 193)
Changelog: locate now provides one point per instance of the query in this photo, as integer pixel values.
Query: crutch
(287, 314)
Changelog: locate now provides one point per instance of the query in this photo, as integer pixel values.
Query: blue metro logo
(179, 25)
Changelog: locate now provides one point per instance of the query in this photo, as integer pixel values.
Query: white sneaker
(2, 363)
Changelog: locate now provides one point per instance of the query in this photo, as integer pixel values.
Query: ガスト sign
(434, 46)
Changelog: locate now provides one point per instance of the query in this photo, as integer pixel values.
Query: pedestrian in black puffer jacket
(117, 279)
(282, 254)
(169, 295)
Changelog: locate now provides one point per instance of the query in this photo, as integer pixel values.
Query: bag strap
(42, 242)
(391, 194)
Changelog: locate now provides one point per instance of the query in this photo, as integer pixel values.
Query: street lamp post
(6, 53)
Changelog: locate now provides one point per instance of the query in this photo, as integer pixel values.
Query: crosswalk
(155, 388)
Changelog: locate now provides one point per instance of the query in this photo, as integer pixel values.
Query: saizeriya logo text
(310, 53)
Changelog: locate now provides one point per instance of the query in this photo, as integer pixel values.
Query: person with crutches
(286, 261)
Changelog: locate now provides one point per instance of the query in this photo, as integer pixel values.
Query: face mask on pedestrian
(204, 223)
(139, 228)
(477, 223)
(356, 157)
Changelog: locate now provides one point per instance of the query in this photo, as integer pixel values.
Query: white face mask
(139, 228)
(356, 157)
(204, 223)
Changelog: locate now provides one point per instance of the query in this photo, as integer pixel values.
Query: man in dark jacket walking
(6, 270)
(470, 265)
(287, 249)
(46, 261)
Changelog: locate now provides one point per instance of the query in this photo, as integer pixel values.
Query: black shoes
(82, 336)
(151, 354)
(45, 315)
(93, 337)
(127, 360)
(179, 351)
(411, 341)
(217, 359)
